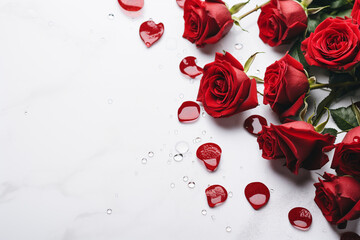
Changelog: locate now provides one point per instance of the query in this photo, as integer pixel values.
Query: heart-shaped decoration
(216, 194)
(150, 32)
(210, 154)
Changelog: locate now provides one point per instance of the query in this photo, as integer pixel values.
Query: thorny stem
(251, 11)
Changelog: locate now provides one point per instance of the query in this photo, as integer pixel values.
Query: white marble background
(82, 101)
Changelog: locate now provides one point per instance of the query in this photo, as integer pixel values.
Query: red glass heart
(216, 195)
(300, 218)
(150, 32)
(188, 67)
(180, 3)
(349, 236)
(188, 111)
(257, 194)
(254, 123)
(131, 5)
(210, 154)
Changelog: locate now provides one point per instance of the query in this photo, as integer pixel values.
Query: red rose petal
(210, 154)
(300, 218)
(216, 195)
(188, 67)
(257, 194)
(188, 111)
(131, 5)
(349, 236)
(180, 3)
(150, 32)
(254, 123)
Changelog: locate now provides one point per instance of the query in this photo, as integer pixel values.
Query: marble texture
(83, 101)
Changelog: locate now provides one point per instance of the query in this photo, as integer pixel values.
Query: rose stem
(254, 10)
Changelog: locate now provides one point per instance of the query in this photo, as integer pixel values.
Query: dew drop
(257, 71)
(182, 147)
(111, 16)
(185, 178)
(144, 161)
(110, 101)
(238, 46)
(178, 157)
(228, 229)
(203, 132)
(197, 140)
(191, 185)
(151, 154)
(203, 212)
(230, 194)
(181, 96)
(172, 185)
(203, 114)
(300, 218)
(109, 211)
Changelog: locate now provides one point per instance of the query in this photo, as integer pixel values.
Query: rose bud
(225, 89)
(335, 45)
(206, 22)
(338, 198)
(281, 21)
(346, 159)
(355, 14)
(285, 86)
(297, 142)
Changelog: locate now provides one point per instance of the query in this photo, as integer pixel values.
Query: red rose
(297, 142)
(346, 159)
(206, 21)
(338, 198)
(225, 89)
(335, 45)
(355, 11)
(281, 21)
(285, 86)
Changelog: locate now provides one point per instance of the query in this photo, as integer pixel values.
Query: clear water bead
(178, 157)
(109, 211)
(230, 194)
(191, 185)
(228, 229)
(172, 185)
(185, 178)
(238, 46)
(150, 154)
(111, 16)
(110, 101)
(197, 140)
(203, 212)
(144, 161)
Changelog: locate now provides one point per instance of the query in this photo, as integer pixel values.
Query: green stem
(325, 104)
(335, 85)
(251, 11)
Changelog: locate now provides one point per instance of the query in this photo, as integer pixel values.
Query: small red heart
(216, 195)
(210, 154)
(150, 32)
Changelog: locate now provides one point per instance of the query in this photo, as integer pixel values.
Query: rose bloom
(346, 159)
(206, 22)
(355, 13)
(338, 198)
(297, 142)
(225, 89)
(281, 21)
(285, 86)
(335, 45)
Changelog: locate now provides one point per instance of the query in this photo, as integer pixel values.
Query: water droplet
(238, 46)
(272, 190)
(300, 218)
(228, 229)
(144, 161)
(254, 124)
(191, 185)
(216, 195)
(150, 32)
(210, 154)
(170, 154)
(257, 71)
(133, 5)
(203, 132)
(110, 101)
(189, 111)
(111, 16)
(188, 67)
(181, 96)
(197, 140)
(185, 178)
(178, 157)
(213, 217)
(230, 194)
(203, 114)
(203, 212)
(182, 147)
(151, 154)
(172, 185)
(257, 194)
(109, 211)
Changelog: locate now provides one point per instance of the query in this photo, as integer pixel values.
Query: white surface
(82, 101)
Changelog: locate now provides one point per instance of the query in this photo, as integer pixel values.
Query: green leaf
(344, 118)
(313, 11)
(237, 23)
(306, 3)
(304, 110)
(321, 126)
(295, 52)
(356, 110)
(250, 61)
(312, 24)
(321, 108)
(331, 131)
(237, 7)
